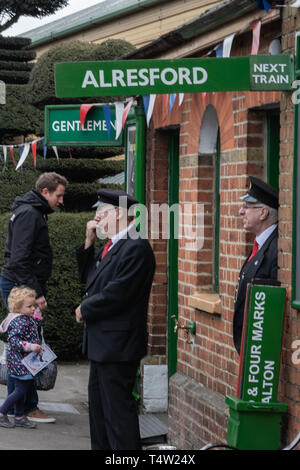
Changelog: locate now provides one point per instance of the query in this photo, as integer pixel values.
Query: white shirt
(265, 235)
(120, 235)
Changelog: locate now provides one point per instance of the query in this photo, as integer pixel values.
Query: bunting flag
(84, 109)
(24, 155)
(203, 97)
(107, 116)
(44, 147)
(70, 154)
(119, 113)
(11, 149)
(219, 51)
(256, 26)
(227, 44)
(165, 102)
(33, 149)
(55, 151)
(5, 154)
(126, 111)
(275, 47)
(181, 96)
(171, 101)
(264, 5)
(20, 154)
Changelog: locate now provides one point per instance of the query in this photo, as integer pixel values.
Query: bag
(45, 380)
(3, 367)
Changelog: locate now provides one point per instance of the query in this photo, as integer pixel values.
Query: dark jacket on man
(115, 309)
(262, 266)
(28, 252)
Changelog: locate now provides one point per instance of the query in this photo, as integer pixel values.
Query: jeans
(31, 396)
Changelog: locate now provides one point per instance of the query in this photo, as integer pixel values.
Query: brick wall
(207, 368)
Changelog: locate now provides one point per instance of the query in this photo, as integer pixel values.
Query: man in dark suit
(118, 283)
(260, 215)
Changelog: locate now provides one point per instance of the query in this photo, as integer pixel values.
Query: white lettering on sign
(144, 77)
(259, 310)
(267, 384)
(270, 73)
(74, 126)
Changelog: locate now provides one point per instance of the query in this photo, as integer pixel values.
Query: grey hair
(273, 214)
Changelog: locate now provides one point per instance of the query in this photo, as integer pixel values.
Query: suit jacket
(263, 266)
(116, 303)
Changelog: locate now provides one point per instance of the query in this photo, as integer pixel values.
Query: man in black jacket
(28, 252)
(118, 283)
(260, 215)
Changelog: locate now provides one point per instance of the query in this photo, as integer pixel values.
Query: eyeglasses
(103, 213)
(245, 207)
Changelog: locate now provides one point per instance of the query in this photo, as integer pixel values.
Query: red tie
(106, 248)
(254, 250)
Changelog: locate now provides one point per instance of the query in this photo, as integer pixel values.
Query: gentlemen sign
(63, 127)
(262, 344)
(138, 77)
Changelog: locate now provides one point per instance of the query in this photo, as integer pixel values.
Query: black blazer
(116, 303)
(263, 266)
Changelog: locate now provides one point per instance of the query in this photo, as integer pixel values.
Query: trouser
(31, 396)
(114, 423)
(16, 398)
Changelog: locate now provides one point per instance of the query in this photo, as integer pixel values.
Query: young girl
(22, 338)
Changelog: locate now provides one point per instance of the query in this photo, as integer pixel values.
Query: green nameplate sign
(138, 77)
(63, 127)
(261, 349)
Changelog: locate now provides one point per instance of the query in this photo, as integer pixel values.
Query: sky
(27, 23)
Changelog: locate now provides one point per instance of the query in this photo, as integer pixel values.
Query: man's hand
(78, 315)
(90, 234)
(41, 303)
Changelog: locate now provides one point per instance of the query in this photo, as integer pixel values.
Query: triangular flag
(227, 43)
(203, 97)
(33, 149)
(55, 151)
(148, 101)
(5, 153)
(44, 147)
(126, 111)
(84, 109)
(107, 116)
(11, 149)
(24, 155)
(20, 153)
(219, 51)
(181, 96)
(171, 101)
(165, 102)
(119, 113)
(255, 25)
(275, 47)
(70, 154)
(264, 5)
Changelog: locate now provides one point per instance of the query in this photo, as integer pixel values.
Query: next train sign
(138, 77)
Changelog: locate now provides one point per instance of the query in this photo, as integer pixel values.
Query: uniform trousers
(114, 423)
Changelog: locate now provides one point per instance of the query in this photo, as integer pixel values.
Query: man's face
(56, 197)
(106, 217)
(252, 216)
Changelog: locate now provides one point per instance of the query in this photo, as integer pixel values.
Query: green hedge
(14, 76)
(17, 56)
(65, 293)
(14, 42)
(41, 89)
(17, 117)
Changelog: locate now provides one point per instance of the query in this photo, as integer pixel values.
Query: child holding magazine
(22, 338)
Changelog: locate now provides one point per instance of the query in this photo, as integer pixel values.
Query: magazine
(35, 362)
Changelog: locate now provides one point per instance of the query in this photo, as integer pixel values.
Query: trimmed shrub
(14, 42)
(18, 117)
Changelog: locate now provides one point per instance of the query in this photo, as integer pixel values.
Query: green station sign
(261, 350)
(138, 77)
(63, 127)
